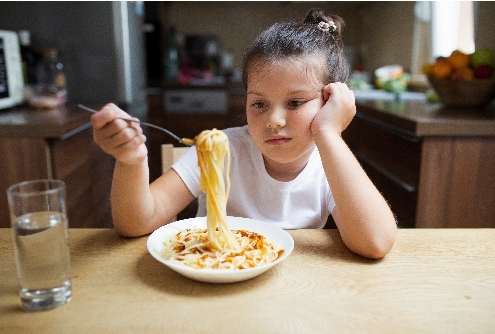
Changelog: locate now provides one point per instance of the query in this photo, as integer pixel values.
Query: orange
(442, 69)
(459, 59)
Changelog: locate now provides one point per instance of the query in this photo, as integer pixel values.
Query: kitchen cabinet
(57, 144)
(434, 165)
(392, 160)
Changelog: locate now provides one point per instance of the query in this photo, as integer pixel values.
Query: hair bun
(317, 16)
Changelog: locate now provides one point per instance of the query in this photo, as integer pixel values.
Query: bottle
(51, 91)
(51, 73)
(28, 56)
(171, 58)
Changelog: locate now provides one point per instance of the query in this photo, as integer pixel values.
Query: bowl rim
(220, 275)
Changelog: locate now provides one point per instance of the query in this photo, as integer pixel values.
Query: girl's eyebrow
(294, 92)
(301, 91)
(298, 91)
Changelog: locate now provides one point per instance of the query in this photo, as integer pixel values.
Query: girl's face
(282, 100)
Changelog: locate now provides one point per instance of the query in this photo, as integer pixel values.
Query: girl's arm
(138, 208)
(363, 217)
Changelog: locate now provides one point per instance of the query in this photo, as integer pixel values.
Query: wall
(386, 33)
(485, 26)
(382, 31)
(92, 46)
(237, 24)
(88, 57)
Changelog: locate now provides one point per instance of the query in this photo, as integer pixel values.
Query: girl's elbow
(125, 230)
(380, 245)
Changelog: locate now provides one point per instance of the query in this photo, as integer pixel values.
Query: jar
(51, 72)
(51, 90)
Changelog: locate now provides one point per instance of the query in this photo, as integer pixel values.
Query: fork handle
(184, 141)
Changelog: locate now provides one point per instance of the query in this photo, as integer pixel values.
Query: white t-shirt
(305, 202)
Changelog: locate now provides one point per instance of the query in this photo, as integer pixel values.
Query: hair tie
(327, 26)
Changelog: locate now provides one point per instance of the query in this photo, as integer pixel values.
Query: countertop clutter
(56, 143)
(432, 281)
(417, 117)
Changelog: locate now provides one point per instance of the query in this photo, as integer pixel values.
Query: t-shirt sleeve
(188, 170)
(331, 203)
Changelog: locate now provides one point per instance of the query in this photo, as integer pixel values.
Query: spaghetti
(218, 247)
(213, 159)
(192, 248)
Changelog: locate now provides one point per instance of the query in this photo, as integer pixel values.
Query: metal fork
(185, 141)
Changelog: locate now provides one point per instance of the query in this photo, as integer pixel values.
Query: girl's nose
(276, 118)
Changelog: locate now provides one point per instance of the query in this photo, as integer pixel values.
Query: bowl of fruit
(463, 80)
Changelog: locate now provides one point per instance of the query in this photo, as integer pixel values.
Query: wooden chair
(171, 154)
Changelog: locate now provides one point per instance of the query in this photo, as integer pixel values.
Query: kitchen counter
(434, 165)
(56, 144)
(418, 118)
(54, 123)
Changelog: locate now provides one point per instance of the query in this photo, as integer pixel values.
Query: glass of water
(41, 243)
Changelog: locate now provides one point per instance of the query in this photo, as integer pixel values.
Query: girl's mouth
(276, 141)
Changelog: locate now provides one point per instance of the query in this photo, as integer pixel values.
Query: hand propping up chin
(121, 139)
(337, 112)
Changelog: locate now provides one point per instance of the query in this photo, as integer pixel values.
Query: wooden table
(433, 281)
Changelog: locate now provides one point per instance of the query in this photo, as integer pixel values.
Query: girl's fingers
(339, 87)
(121, 136)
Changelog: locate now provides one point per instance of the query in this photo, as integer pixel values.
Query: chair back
(171, 154)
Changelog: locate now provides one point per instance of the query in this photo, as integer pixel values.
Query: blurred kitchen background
(100, 44)
(114, 51)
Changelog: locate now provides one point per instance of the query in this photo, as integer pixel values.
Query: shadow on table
(306, 245)
(13, 308)
(164, 279)
(328, 244)
(98, 241)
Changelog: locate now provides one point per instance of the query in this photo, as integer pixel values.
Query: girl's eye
(258, 105)
(296, 103)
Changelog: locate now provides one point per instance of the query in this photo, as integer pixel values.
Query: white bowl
(270, 232)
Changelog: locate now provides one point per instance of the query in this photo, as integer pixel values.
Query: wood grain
(457, 186)
(22, 159)
(434, 166)
(433, 281)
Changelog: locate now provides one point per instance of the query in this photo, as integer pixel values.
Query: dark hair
(293, 39)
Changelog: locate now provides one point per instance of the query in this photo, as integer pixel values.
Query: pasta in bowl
(277, 246)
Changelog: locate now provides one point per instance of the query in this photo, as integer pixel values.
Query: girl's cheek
(253, 119)
(313, 109)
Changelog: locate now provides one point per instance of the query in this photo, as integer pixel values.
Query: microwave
(11, 78)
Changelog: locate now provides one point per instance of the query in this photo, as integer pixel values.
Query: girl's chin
(284, 154)
(280, 157)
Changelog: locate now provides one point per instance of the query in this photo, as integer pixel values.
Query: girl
(289, 165)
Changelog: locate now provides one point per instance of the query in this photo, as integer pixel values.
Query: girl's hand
(122, 140)
(337, 112)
